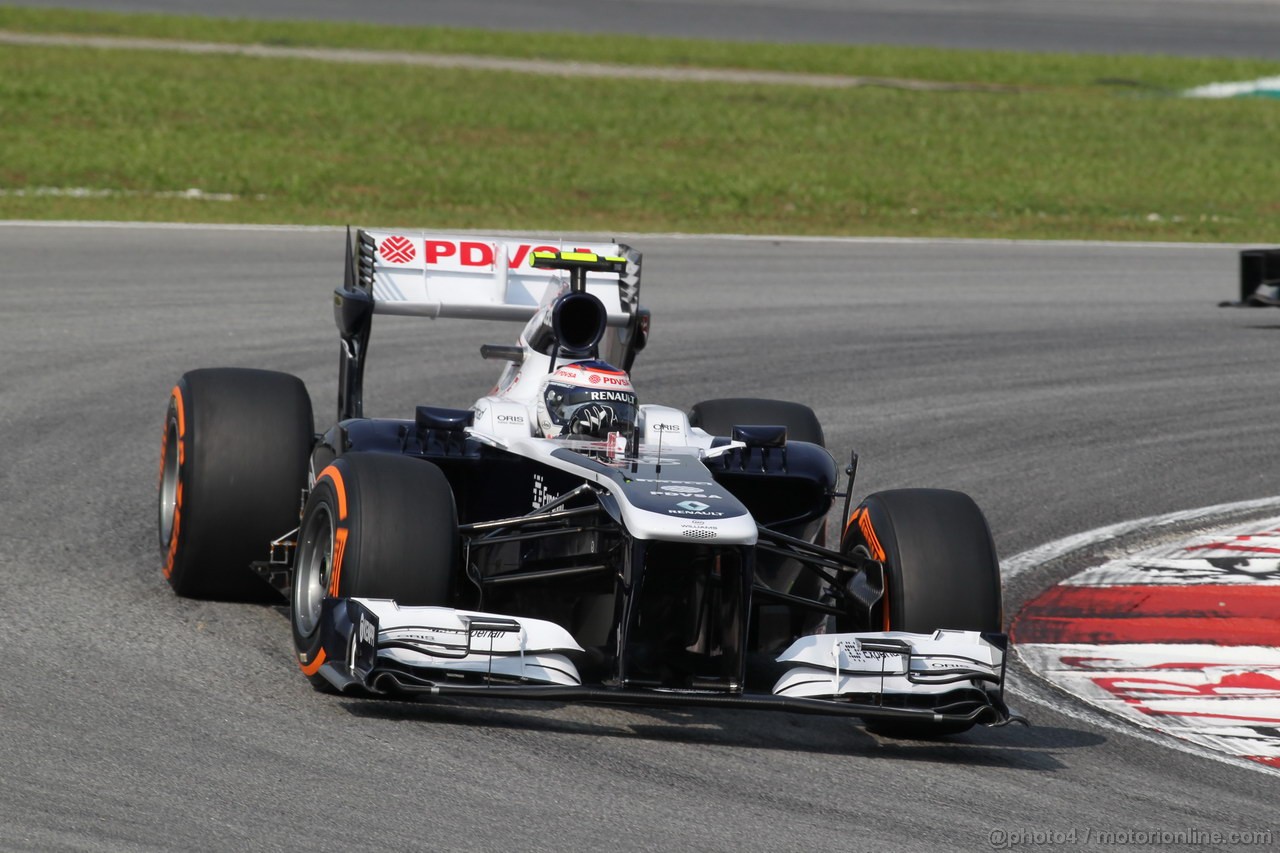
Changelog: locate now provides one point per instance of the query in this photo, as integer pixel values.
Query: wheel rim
(169, 484)
(311, 580)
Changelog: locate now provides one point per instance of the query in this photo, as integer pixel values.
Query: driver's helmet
(587, 399)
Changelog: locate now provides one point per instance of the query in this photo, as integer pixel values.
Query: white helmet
(587, 398)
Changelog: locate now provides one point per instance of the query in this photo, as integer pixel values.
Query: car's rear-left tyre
(233, 467)
(719, 417)
(940, 570)
(375, 526)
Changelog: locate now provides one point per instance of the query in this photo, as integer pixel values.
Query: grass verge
(312, 142)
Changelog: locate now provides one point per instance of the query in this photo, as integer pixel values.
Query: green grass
(311, 142)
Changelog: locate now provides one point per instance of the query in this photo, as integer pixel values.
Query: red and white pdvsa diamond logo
(397, 250)
(594, 379)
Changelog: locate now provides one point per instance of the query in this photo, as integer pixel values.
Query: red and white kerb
(1184, 639)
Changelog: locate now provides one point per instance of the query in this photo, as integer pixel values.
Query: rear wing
(490, 278)
(426, 275)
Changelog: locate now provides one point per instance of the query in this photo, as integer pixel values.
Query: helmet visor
(568, 404)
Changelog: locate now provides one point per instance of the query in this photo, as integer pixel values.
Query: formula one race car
(558, 539)
(1259, 279)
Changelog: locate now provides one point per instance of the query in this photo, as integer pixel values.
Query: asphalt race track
(1064, 386)
(1180, 27)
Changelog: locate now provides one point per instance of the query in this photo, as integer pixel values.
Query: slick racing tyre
(375, 526)
(719, 417)
(233, 466)
(940, 569)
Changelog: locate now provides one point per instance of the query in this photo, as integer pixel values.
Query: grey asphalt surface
(1244, 28)
(1064, 386)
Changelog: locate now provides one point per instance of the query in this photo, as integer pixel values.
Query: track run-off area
(1068, 387)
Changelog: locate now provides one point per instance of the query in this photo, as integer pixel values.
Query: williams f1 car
(1259, 279)
(558, 539)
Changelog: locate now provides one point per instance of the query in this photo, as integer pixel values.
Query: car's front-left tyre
(940, 571)
(233, 467)
(375, 526)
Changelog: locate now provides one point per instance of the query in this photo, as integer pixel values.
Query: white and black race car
(1259, 279)
(557, 539)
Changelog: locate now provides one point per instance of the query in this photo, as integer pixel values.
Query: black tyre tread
(940, 549)
(248, 434)
(404, 530)
(719, 416)
(941, 571)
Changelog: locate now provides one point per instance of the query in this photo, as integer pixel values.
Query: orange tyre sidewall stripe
(339, 487)
(877, 553)
(182, 423)
(172, 554)
(312, 668)
(869, 534)
(339, 548)
(340, 533)
(862, 518)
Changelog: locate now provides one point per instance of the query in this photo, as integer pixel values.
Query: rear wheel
(940, 568)
(719, 417)
(233, 466)
(375, 526)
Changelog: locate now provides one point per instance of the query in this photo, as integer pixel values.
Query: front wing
(375, 646)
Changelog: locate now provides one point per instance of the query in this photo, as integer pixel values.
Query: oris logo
(510, 419)
(397, 250)
(664, 428)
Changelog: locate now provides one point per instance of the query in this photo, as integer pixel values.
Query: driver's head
(587, 398)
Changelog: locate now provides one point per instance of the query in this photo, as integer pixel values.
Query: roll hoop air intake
(577, 319)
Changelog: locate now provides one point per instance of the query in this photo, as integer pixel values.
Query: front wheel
(940, 570)
(375, 526)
